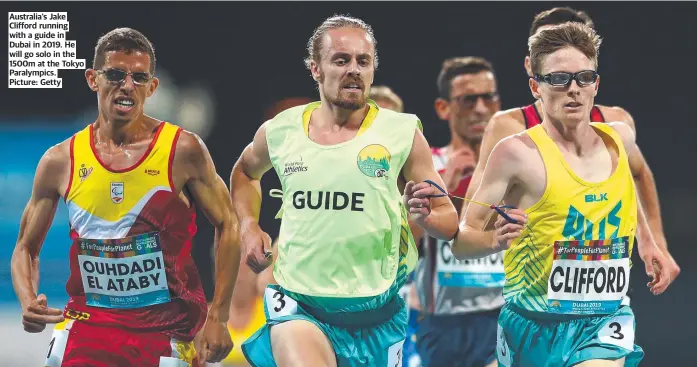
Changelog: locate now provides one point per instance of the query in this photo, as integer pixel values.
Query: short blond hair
(570, 34)
(386, 93)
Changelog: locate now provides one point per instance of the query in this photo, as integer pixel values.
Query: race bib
(486, 272)
(588, 277)
(394, 354)
(59, 340)
(123, 273)
(278, 304)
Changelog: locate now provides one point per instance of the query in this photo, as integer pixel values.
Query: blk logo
(594, 198)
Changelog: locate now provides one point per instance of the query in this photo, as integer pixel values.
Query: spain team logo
(374, 160)
(117, 192)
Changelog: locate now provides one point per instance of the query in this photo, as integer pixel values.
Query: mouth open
(573, 105)
(124, 104)
(354, 87)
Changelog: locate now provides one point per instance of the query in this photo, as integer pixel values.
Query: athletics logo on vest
(117, 192)
(292, 167)
(84, 172)
(374, 160)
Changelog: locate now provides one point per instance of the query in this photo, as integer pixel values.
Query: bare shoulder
(53, 170)
(625, 132)
(510, 115)
(191, 151)
(57, 158)
(617, 113)
(513, 149)
(510, 119)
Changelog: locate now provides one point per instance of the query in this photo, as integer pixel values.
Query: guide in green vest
(352, 178)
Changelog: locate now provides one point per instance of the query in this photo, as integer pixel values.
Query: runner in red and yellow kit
(130, 183)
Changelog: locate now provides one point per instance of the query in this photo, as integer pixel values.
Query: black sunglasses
(118, 76)
(564, 79)
(469, 100)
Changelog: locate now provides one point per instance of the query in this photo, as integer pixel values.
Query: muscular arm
(36, 221)
(644, 180)
(245, 180)
(473, 240)
(442, 221)
(644, 234)
(501, 125)
(210, 194)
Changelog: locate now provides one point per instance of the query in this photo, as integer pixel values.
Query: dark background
(250, 55)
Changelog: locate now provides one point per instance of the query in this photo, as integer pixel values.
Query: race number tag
(123, 273)
(486, 272)
(618, 331)
(588, 277)
(278, 304)
(59, 340)
(395, 354)
(503, 352)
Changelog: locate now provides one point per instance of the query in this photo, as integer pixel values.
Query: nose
(353, 68)
(127, 84)
(480, 106)
(574, 87)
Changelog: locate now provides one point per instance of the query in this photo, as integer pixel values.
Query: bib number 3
(278, 304)
(618, 331)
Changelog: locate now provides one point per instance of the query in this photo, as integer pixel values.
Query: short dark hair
(560, 15)
(122, 39)
(456, 66)
(314, 44)
(571, 34)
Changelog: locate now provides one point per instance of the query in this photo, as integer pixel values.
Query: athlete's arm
(500, 126)
(473, 240)
(645, 239)
(209, 192)
(644, 180)
(245, 190)
(35, 223)
(441, 221)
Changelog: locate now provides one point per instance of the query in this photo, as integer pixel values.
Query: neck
(334, 116)
(120, 132)
(457, 142)
(573, 137)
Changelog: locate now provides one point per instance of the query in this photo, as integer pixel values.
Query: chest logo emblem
(117, 192)
(374, 160)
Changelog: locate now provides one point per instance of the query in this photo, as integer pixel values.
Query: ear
(91, 77)
(597, 85)
(315, 71)
(153, 86)
(442, 109)
(534, 88)
(526, 64)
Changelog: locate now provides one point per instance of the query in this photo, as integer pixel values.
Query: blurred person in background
(130, 183)
(386, 98)
(460, 300)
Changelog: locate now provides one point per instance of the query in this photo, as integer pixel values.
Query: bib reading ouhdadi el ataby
(131, 255)
(574, 255)
(344, 230)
